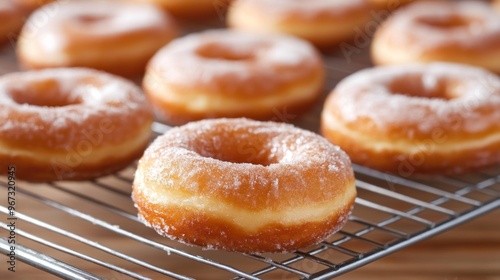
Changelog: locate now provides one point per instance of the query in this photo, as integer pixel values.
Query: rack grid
(89, 230)
(80, 228)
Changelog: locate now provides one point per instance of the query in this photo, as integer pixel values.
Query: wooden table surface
(469, 251)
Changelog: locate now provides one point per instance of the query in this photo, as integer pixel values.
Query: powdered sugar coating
(90, 102)
(423, 26)
(271, 162)
(90, 20)
(243, 185)
(283, 9)
(234, 62)
(453, 98)
(114, 36)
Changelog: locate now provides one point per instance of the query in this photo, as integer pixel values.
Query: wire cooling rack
(89, 230)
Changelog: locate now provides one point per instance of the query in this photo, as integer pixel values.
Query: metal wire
(400, 245)
(47, 263)
(328, 259)
(388, 216)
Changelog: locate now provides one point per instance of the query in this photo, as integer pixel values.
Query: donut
(325, 23)
(456, 31)
(193, 8)
(70, 124)
(12, 19)
(116, 37)
(244, 185)
(227, 73)
(435, 118)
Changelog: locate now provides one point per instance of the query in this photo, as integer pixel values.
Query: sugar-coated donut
(117, 37)
(12, 19)
(192, 8)
(454, 31)
(417, 118)
(322, 22)
(225, 73)
(70, 123)
(243, 185)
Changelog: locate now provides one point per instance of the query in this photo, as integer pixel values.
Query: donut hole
(45, 93)
(424, 87)
(91, 18)
(217, 51)
(455, 21)
(249, 156)
(237, 148)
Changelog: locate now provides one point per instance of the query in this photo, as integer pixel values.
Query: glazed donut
(70, 123)
(243, 185)
(325, 23)
(224, 73)
(417, 118)
(455, 31)
(12, 19)
(117, 37)
(192, 8)
(496, 4)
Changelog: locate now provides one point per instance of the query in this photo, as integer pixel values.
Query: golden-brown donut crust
(242, 185)
(435, 118)
(226, 73)
(455, 31)
(178, 115)
(70, 123)
(116, 37)
(41, 170)
(206, 230)
(324, 23)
